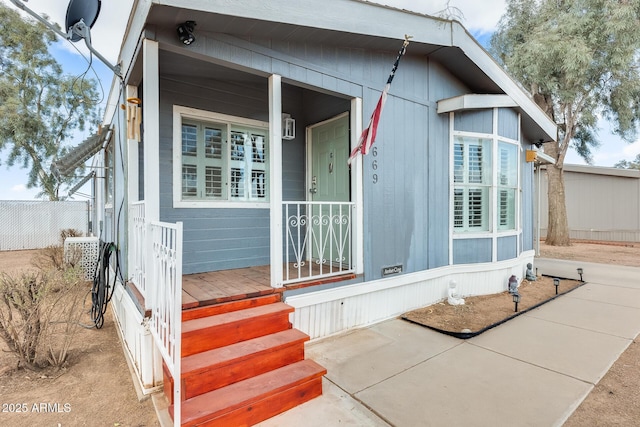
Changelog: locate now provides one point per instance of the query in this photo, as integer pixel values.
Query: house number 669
(374, 164)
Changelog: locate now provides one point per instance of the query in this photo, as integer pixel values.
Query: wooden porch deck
(215, 287)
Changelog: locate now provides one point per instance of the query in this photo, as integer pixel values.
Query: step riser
(231, 333)
(212, 310)
(218, 377)
(267, 407)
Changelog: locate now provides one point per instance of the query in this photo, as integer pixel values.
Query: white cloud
(478, 16)
(632, 150)
(19, 188)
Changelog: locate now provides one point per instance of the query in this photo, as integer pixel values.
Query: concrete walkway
(534, 370)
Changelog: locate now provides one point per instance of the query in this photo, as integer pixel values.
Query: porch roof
(354, 24)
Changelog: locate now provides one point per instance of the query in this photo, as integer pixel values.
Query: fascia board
(475, 101)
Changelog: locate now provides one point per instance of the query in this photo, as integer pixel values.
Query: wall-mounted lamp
(185, 32)
(288, 127)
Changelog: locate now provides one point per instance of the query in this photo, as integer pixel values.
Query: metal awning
(67, 164)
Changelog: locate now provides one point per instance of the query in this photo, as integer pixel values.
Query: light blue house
(243, 136)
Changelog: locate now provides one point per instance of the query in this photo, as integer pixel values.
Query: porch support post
(151, 124)
(275, 178)
(357, 190)
(132, 184)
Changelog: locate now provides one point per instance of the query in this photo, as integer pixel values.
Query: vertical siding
(441, 86)
(528, 200)
(406, 212)
(396, 188)
(468, 251)
(507, 247)
(474, 121)
(508, 125)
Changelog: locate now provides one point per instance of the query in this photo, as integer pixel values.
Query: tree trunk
(558, 227)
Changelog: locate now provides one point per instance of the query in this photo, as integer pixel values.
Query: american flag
(368, 136)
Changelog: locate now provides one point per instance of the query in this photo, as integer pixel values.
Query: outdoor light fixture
(516, 300)
(580, 271)
(185, 32)
(288, 127)
(556, 283)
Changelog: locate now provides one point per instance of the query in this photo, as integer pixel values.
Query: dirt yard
(479, 313)
(95, 388)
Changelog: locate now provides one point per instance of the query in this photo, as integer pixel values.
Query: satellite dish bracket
(79, 28)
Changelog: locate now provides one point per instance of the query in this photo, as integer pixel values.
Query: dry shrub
(53, 256)
(39, 314)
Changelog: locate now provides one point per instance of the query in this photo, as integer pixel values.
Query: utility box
(86, 249)
(531, 155)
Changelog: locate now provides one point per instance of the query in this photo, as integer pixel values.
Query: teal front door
(331, 220)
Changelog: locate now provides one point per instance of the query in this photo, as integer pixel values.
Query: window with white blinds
(472, 182)
(224, 161)
(480, 193)
(507, 185)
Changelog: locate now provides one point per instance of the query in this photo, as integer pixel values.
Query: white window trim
(180, 113)
(493, 233)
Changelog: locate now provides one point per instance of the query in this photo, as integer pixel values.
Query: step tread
(235, 316)
(234, 396)
(227, 307)
(233, 353)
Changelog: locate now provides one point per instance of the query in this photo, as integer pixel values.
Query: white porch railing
(318, 240)
(164, 296)
(137, 248)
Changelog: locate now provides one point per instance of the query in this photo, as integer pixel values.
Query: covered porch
(271, 216)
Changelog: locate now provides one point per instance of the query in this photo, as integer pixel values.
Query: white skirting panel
(143, 356)
(332, 311)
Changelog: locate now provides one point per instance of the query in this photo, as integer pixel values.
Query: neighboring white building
(602, 203)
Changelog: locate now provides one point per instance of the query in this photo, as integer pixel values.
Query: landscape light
(516, 300)
(580, 271)
(556, 283)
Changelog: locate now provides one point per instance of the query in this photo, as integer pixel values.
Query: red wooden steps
(212, 310)
(206, 333)
(256, 399)
(220, 367)
(242, 363)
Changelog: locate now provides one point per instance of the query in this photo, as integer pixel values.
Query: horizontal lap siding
(214, 239)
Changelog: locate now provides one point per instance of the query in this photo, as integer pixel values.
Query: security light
(185, 32)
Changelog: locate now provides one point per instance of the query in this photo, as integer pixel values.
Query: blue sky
(479, 17)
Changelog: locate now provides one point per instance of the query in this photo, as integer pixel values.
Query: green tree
(633, 164)
(579, 59)
(40, 106)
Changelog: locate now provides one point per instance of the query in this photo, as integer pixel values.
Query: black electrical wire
(102, 289)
